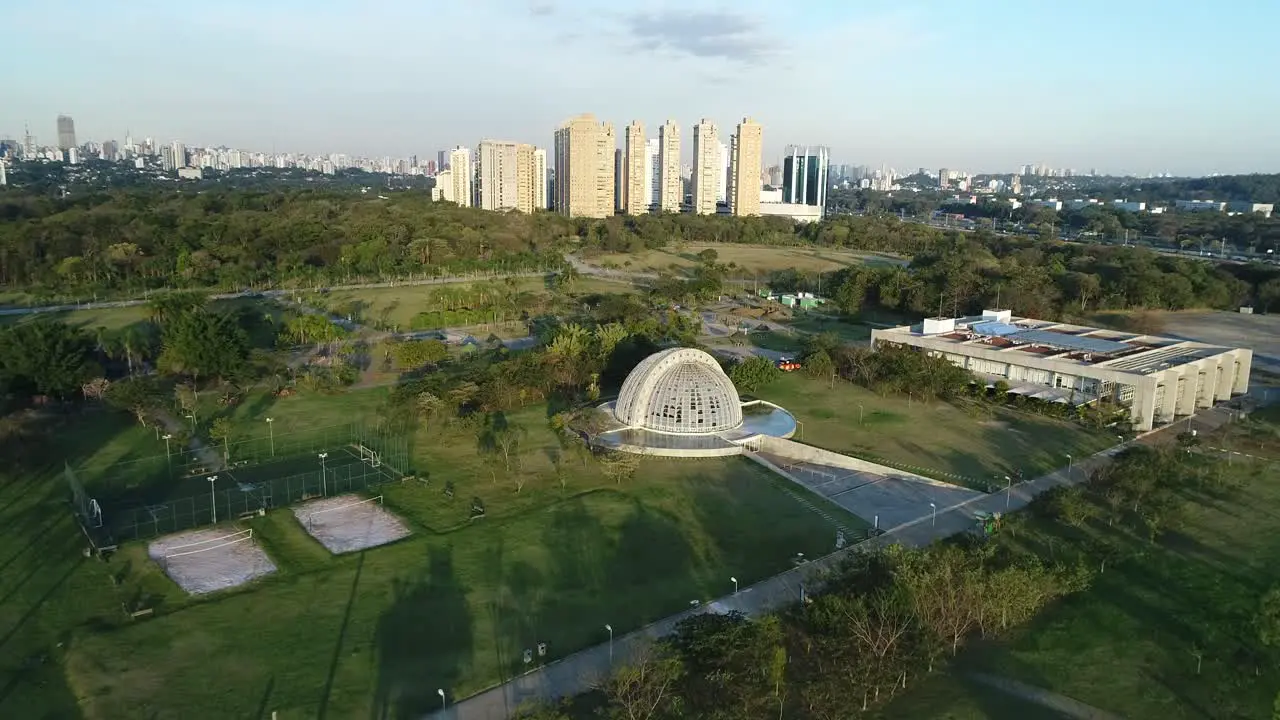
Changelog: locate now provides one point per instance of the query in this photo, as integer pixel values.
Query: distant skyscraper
(73, 155)
(670, 184)
(66, 132)
(635, 189)
(539, 179)
(110, 151)
(4, 179)
(460, 174)
(706, 166)
(442, 160)
(506, 176)
(585, 168)
(179, 154)
(805, 172)
(748, 151)
(652, 172)
(944, 176)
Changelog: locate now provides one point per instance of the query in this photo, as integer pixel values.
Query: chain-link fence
(150, 496)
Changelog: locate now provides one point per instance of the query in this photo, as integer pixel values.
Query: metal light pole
(859, 413)
(192, 415)
(167, 438)
(1070, 463)
(735, 585)
(324, 482)
(213, 499)
(933, 511)
(610, 629)
(1008, 491)
(271, 433)
(440, 692)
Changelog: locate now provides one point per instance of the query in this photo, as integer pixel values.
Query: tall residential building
(748, 149)
(722, 175)
(442, 160)
(619, 180)
(706, 166)
(585, 171)
(539, 179)
(4, 180)
(652, 172)
(506, 177)
(179, 153)
(637, 191)
(443, 189)
(66, 132)
(805, 173)
(461, 174)
(944, 176)
(670, 184)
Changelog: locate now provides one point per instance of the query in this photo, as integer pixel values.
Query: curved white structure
(680, 391)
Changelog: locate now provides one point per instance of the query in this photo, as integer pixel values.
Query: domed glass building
(681, 391)
(679, 403)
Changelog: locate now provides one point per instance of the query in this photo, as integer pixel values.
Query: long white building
(1157, 378)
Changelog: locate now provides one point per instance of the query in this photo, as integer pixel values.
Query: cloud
(715, 34)
(541, 8)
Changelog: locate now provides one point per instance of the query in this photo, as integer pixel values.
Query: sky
(1127, 86)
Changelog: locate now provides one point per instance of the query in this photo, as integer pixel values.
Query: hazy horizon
(1126, 88)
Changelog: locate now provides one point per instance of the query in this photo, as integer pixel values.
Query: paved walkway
(579, 672)
(1061, 704)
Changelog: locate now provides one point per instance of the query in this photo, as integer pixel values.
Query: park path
(1061, 704)
(585, 669)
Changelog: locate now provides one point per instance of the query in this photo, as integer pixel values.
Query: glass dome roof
(681, 391)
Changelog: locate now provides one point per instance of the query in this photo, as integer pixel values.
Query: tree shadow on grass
(424, 639)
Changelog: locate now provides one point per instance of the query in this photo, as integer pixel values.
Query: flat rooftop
(1062, 342)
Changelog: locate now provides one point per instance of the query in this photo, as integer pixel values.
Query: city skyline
(331, 77)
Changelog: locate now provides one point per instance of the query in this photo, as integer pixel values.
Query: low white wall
(809, 453)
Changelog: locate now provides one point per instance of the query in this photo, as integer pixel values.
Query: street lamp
(1070, 463)
(1008, 491)
(324, 483)
(213, 500)
(610, 629)
(192, 415)
(440, 692)
(859, 413)
(167, 437)
(735, 585)
(933, 511)
(271, 433)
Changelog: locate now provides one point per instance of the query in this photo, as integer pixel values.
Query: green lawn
(1128, 644)
(848, 332)
(452, 606)
(936, 436)
(749, 258)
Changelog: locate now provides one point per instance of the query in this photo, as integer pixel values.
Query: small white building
(1199, 205)
(190, 173)
(1249, 208)
(796, 211)
(1128, 206)
(1157, 378)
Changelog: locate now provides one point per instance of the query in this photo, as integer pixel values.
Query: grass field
(751, 258)
(936, 435)
(396, 307)
(1129, 644)
(374, 634)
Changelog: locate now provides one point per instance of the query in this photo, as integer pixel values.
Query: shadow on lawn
(423, 640)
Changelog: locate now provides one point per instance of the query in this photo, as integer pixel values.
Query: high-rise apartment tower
(636, 201)
(461, 174)
(584, 151)
(706, 166)
(748, 149)
(670, 185)
(66, 132)
(507, 177)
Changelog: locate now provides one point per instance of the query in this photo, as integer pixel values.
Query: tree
(417, 353)
(1267, 619)
(138, 395)
(728, 661)
(200, 343)
(619, 466)
(220, 431)
(753, 373)
(46, 357)
(644, 689)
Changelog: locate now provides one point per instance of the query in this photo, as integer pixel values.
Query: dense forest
(127, 242)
